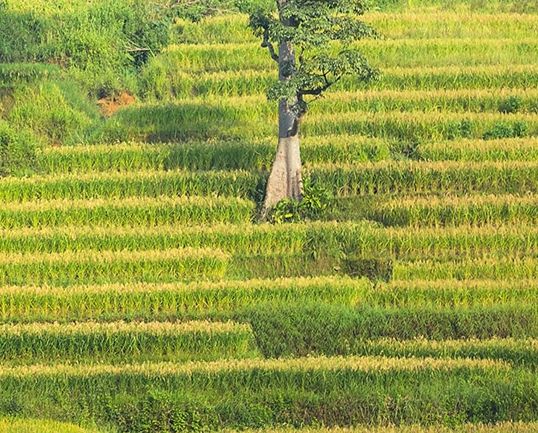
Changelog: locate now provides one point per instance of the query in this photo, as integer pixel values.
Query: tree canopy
(322, 33)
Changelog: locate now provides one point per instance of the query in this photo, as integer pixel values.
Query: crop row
(496, 267)
(131, 212)
(120, 342)
(257, 155)
(227, 299)
(450, 25)
(173, 300)
(222, 155)
(206, 395)
(515, 351)
(386, 53)
(15, 425)
(403, 25)
(424, 126)
(123, 342)
(173, 83)
(123, 185)
(185, 122)
(459, 100)
(466, 210)
(310, 329)
(427, 177)
(106, 266)
(504, 101)
(405, 177)
(317, 238)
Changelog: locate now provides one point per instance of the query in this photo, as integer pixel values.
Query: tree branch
(269, 45)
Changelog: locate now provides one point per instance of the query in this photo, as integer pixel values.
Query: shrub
(315, 203)
(18, 151)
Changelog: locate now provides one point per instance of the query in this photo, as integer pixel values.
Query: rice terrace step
(141, 292)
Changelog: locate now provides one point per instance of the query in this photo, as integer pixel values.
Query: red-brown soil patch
(111, 104)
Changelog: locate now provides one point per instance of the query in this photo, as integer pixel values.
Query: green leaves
(317, 73)
(320, 33)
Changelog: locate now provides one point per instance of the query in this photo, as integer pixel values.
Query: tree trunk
(285, 180)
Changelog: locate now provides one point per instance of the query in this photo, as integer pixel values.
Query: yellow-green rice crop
(121, 185)
(171, 300)
(121, 342)
(107, 266)
(373, 364)
(131, 211)
(474, 210)
(423, 177)
(494, 268)
(451, 25)
(19, 425)
(505, 427)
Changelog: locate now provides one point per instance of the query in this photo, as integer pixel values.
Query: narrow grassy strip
(222, 155)
(367, 364)
(411, 177)
(158, 301)
(459, 100)
(504, 149)
(241, 108)
(358, 240)
(121, 342)
(212, 390)
(256, 155)
(178, 85)
(203, 122)
(105, 266)
(408, 24)
(476, 210)
(403, 25)
(384, 54)
(138, 183)
(246, 239)
(522, 352)
(504, 427)
(423, 126)
(450, 77)
(132, 211)
(322, 329)
(495, 268)
(18, 425)
(448, 24)
(270, 265)
(455, 294)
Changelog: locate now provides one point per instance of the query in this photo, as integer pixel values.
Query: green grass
(137, 290)
(120, 342)
(15, 425)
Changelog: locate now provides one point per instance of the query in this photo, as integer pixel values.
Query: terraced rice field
(138, 292)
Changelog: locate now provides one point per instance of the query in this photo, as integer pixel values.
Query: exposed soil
(112, 104)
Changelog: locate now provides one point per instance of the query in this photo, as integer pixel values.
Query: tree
(314, 39)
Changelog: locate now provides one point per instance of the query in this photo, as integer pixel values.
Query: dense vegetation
(137, 292)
